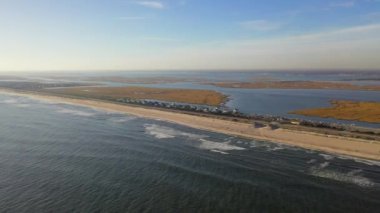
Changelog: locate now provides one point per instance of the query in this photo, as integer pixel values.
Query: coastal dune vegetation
(140, 80)
(191, 96)
(346, 110)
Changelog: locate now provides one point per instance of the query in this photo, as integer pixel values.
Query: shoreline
(359, 148)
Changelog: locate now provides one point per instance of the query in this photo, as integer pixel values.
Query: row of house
(274, 121)
(181, 106)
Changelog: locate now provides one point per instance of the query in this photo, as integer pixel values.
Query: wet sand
(333, 144)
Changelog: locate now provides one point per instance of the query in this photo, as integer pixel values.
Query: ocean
(65, 158)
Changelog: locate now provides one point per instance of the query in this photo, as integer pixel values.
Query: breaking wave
(17, 102)
(353, 177)
(163, 132)
(22, 105)
(76, 112)
(122, 119)
(10, 101)
(268, 146)
(218, 146)
(358, 160)
(311, 161)
(327, 157)
(220, 152)
(324, 165)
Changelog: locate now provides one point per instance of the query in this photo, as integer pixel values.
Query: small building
(295, 122)
(258, 125)
(274, 125)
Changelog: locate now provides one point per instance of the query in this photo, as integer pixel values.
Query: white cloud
(152, 4)
(260, 25)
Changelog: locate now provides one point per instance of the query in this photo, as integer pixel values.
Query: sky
(86, 35)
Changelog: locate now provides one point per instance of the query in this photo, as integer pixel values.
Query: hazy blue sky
(189, 34)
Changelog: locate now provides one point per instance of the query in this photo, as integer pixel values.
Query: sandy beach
(332, 144)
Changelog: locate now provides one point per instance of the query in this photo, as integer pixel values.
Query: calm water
(233, 75)
(62, 158)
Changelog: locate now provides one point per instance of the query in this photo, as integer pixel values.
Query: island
(346, 110)
(191, 96)
(140, 80)
(295, 85)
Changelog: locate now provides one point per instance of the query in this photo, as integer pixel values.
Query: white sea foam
(324, 165)
(368, 162)
(268, 146)
(17, 102)
(10, 101)
(327, 157)
(122, 119)
(358, 160)
(22, 105)
(276, 148)
(162, 132)
(76, 112)
(260, 144)
(348, 178)
(220, 146)
(271, 146)
(159, 134)
(353, 177)
(220, 152)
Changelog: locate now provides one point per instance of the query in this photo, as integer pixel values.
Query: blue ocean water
(64, 158)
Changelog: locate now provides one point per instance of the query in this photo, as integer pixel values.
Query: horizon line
(191, 70)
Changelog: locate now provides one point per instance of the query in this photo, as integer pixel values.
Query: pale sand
(333, 144)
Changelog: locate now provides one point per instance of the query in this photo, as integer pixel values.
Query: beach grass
(191, 96)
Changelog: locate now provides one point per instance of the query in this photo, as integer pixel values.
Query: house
(274, 125)
(258, 125)
(295, 122)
